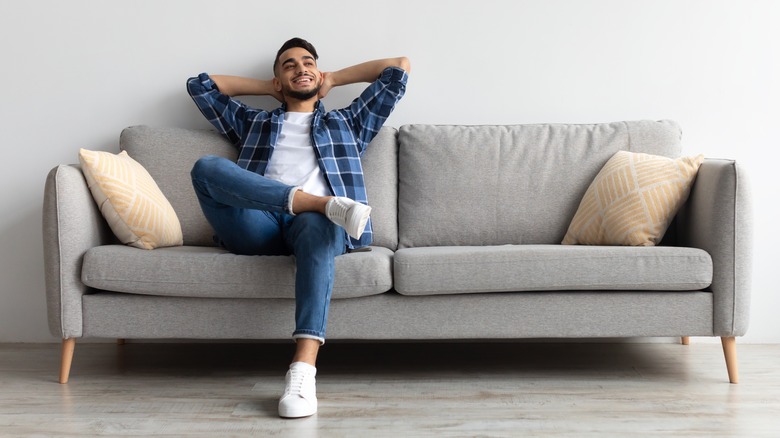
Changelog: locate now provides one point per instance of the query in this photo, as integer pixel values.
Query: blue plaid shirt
(340, 136)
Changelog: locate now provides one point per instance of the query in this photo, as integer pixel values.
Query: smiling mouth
(303, 80)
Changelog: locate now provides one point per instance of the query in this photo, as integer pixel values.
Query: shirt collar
(319, 108)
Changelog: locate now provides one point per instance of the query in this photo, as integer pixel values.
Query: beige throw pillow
(130, 201)
(632, 200)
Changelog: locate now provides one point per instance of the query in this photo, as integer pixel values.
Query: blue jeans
(248, 213)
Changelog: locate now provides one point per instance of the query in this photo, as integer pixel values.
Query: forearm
(367, 71)
(240, 86)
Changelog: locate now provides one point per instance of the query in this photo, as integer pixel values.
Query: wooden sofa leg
(686, 340)
(730, 352)
(68, 345)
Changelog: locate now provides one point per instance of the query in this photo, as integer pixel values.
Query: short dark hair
(295, 42)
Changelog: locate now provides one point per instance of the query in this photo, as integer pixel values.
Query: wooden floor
(393, 390)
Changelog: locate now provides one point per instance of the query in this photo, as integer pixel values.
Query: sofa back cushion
(168, 154)
(513, 184)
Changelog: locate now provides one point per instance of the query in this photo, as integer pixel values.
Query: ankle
(306, 351)
(303, 202)
(306, 361)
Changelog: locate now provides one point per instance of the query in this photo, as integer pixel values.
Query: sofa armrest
(717, 218)
(72, 224)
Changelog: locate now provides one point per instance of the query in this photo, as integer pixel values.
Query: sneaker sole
(296, 413)
(356, 226)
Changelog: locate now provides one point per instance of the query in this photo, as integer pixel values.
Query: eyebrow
(303, 57)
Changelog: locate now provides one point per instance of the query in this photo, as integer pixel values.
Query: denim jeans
(248, 213)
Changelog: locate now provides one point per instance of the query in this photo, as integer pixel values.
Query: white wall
(75, 73)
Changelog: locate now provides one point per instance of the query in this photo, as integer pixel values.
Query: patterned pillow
(632, 200)
(130, 201)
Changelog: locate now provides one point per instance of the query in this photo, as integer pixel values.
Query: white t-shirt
(294, 161)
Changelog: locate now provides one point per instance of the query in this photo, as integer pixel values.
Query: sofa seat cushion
(515, 268)
(199, 271)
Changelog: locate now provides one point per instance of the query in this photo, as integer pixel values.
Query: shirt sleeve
(372, 108)
(228, 115)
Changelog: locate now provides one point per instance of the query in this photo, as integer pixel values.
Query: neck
(300, 106)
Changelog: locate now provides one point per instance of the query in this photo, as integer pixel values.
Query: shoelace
(338, 209)
(296, 382)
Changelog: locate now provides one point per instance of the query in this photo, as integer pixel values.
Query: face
(297, 75)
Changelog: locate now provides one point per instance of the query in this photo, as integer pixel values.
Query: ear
(277, 84)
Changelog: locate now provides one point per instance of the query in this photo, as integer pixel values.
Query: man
(297, 186)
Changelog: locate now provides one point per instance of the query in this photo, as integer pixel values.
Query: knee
(204, 166)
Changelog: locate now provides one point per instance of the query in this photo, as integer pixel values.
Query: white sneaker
(348, 214)
(300, 392)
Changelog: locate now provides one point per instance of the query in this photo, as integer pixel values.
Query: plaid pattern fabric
(339, 136)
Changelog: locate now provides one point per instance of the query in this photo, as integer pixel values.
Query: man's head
(291, 43)
(295, 70)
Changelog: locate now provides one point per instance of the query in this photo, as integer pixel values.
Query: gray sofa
(468, 222)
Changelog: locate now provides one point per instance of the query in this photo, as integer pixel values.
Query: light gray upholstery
(168, 154)
(380, 169)
(389, 316)
(72, 224)
(509, 268)
(468, 216)
(718, 219)
(495, 185)
(210, 272)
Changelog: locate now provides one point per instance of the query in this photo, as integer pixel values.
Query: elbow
(196, 84)
(403, 62)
